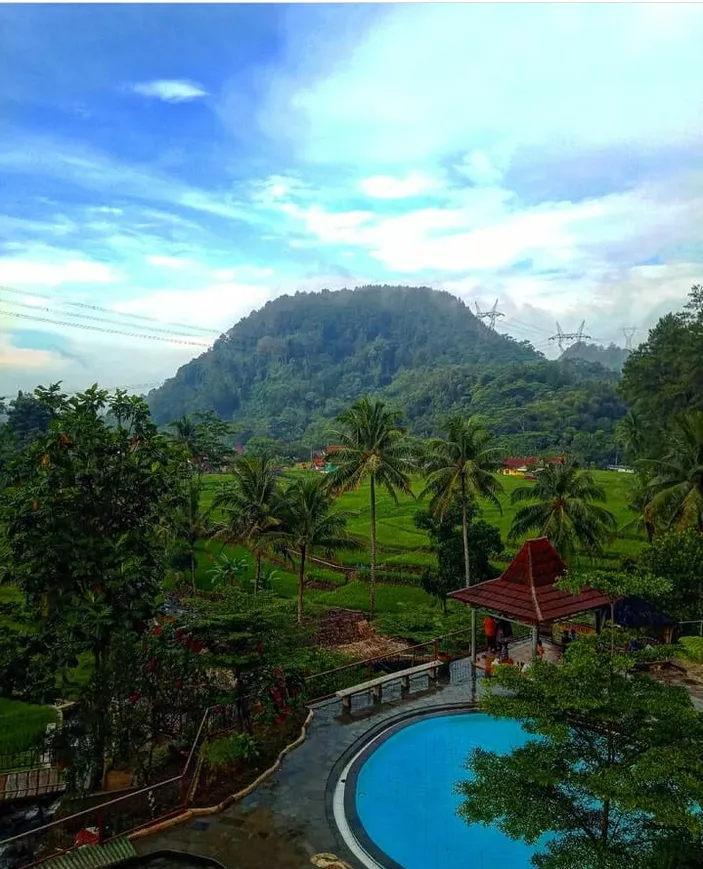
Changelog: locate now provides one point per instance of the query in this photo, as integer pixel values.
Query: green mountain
(287, 370)
(611, 357)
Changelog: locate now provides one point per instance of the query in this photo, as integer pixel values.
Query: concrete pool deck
(286, 821)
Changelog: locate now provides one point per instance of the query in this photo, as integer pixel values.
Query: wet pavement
(285, 821)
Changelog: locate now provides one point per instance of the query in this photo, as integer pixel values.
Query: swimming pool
(395, 804)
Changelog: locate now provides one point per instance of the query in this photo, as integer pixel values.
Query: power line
(490, 316)
(102, 329)
(128, 315)
(83, 316)
(577, 337)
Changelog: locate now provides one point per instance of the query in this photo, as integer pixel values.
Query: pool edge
(353, 758)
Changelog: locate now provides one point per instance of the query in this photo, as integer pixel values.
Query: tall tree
(639, 504)
(372, 446)
(202, 435)
(81, 522)
(248, 501)
(566, 509)
(446, 539)
(29, 415)
(460, 468)
(615, 775)
(677, 485)
(189, 524)
(310, 524)
(677, 556)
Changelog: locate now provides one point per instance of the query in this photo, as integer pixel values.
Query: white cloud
(52, 272)
(217, 307)
(171, 90)
(21, 358)
(388, 187)
(430, 78)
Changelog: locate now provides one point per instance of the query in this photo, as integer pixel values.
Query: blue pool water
(406, 802)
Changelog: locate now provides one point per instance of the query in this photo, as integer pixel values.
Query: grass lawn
(22, 725)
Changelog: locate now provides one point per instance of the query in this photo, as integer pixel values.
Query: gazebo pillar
(535, 640)
(473, 635)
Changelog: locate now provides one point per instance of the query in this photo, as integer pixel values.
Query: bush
(227, 750)
(692, 648)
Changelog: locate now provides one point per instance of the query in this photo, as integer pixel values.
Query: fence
(691, 628)
(322, 686)
(138, 809)
(116, 817)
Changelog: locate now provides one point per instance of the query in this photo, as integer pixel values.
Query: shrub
(693, 648)
(227, 750)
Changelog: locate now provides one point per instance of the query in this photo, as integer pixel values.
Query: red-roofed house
(518, 467)
(526, 593)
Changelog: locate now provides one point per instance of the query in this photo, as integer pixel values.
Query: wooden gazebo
(526, 593)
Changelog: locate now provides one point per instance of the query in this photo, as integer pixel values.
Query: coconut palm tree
(186, 432)
(248, 503)
(676, 489)
(639, 503)
(567, 509)
(309, 523)
(460, 469)
(372, 446)
(186, 525)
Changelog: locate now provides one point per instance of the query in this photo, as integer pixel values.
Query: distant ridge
(287, 370)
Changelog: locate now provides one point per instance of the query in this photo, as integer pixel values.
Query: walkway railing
(323, 686)
(692, 628)
(110, 819)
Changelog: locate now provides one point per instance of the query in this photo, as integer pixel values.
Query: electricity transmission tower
(629, 332)
(563, 337)
(490, 316)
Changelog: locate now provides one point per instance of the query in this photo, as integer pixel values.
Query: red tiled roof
(531, 461)
(520, 462)
(526, 590)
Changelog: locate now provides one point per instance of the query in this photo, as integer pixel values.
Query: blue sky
(188, 163)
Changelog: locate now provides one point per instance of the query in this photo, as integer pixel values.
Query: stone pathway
(283, 824)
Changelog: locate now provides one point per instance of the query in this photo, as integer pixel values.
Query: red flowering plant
(160, 692)
(255, 645)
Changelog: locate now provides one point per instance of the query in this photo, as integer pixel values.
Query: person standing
(489, 629)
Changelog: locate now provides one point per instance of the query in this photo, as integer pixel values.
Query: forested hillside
(611, 357)
(663, 378)
(286, 371)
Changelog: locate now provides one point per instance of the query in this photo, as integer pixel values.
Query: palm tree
(676, 490)
(372, 446)
(630, 434)
(308, 524)
(186, 526)
(460, 468)
(186, 432)
(248, 502)
(639, 504)
(566, 510)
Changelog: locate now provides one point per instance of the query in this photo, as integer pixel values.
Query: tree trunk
(192, 570)
(301, 584)
(372, 588)
(257, 573)
(465, 534)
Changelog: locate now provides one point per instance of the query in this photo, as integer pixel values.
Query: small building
(527, 465)
(526, 593)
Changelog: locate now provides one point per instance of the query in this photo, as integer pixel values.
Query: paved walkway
(284, 822)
